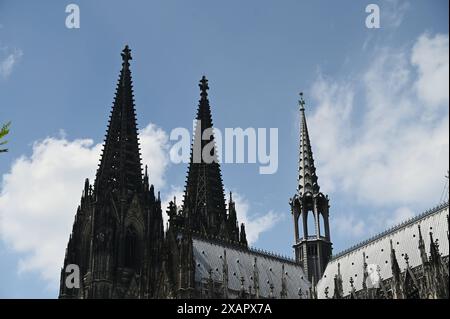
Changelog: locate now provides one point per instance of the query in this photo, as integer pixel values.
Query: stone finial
(301, 102)
(126, 54)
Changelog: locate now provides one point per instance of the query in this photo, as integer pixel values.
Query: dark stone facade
(117, 237)
(118, 240)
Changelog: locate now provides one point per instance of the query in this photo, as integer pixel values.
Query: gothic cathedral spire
(120, 170)
(312, 246)
(118, 231)
(307, 178)
(204, 207)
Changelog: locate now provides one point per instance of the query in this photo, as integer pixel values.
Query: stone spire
(365, 274)
(204, 201)
(232, 223)
(423, 253)
(118, 234)
(396, 275)
(434, 250)
(312, 245)
(307, 178)
(120, 170)
(243, 236)
(338, 285)
(394, 264)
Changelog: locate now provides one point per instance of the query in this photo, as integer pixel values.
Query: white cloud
(348, 226)
(8, 60)
(155, 147)
(430, 55)
(175, 192)
(255, 224)
(400, 215)
(36, 213)
(388, 149)
(382, 139)
(352, 225)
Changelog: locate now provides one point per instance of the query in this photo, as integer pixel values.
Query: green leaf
(4, 130)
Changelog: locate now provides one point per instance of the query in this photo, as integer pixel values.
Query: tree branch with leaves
(4, 130)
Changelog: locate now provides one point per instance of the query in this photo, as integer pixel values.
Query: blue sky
(377, 108)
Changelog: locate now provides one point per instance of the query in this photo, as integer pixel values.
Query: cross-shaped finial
(351, 281)
(203, 84)
(242, 281)
(301, 102)
(407, 260)
(126, 54)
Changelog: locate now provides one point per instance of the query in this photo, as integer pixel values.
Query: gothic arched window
(322, 225)
(131, 248)
(311, 224)
(85, 253)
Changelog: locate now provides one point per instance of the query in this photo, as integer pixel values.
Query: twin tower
(118, 240)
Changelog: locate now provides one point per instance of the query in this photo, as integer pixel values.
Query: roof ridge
(249, 249)
(392, 229)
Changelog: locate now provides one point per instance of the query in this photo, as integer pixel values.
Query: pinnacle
(301, 102)
(204, 196)
(307, 178)
(203, 85)
(120, 164)
(126, 54)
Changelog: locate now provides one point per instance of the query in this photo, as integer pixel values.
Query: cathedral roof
(209, 255)
(405, 240)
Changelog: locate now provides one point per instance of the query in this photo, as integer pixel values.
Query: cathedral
(123, 251)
